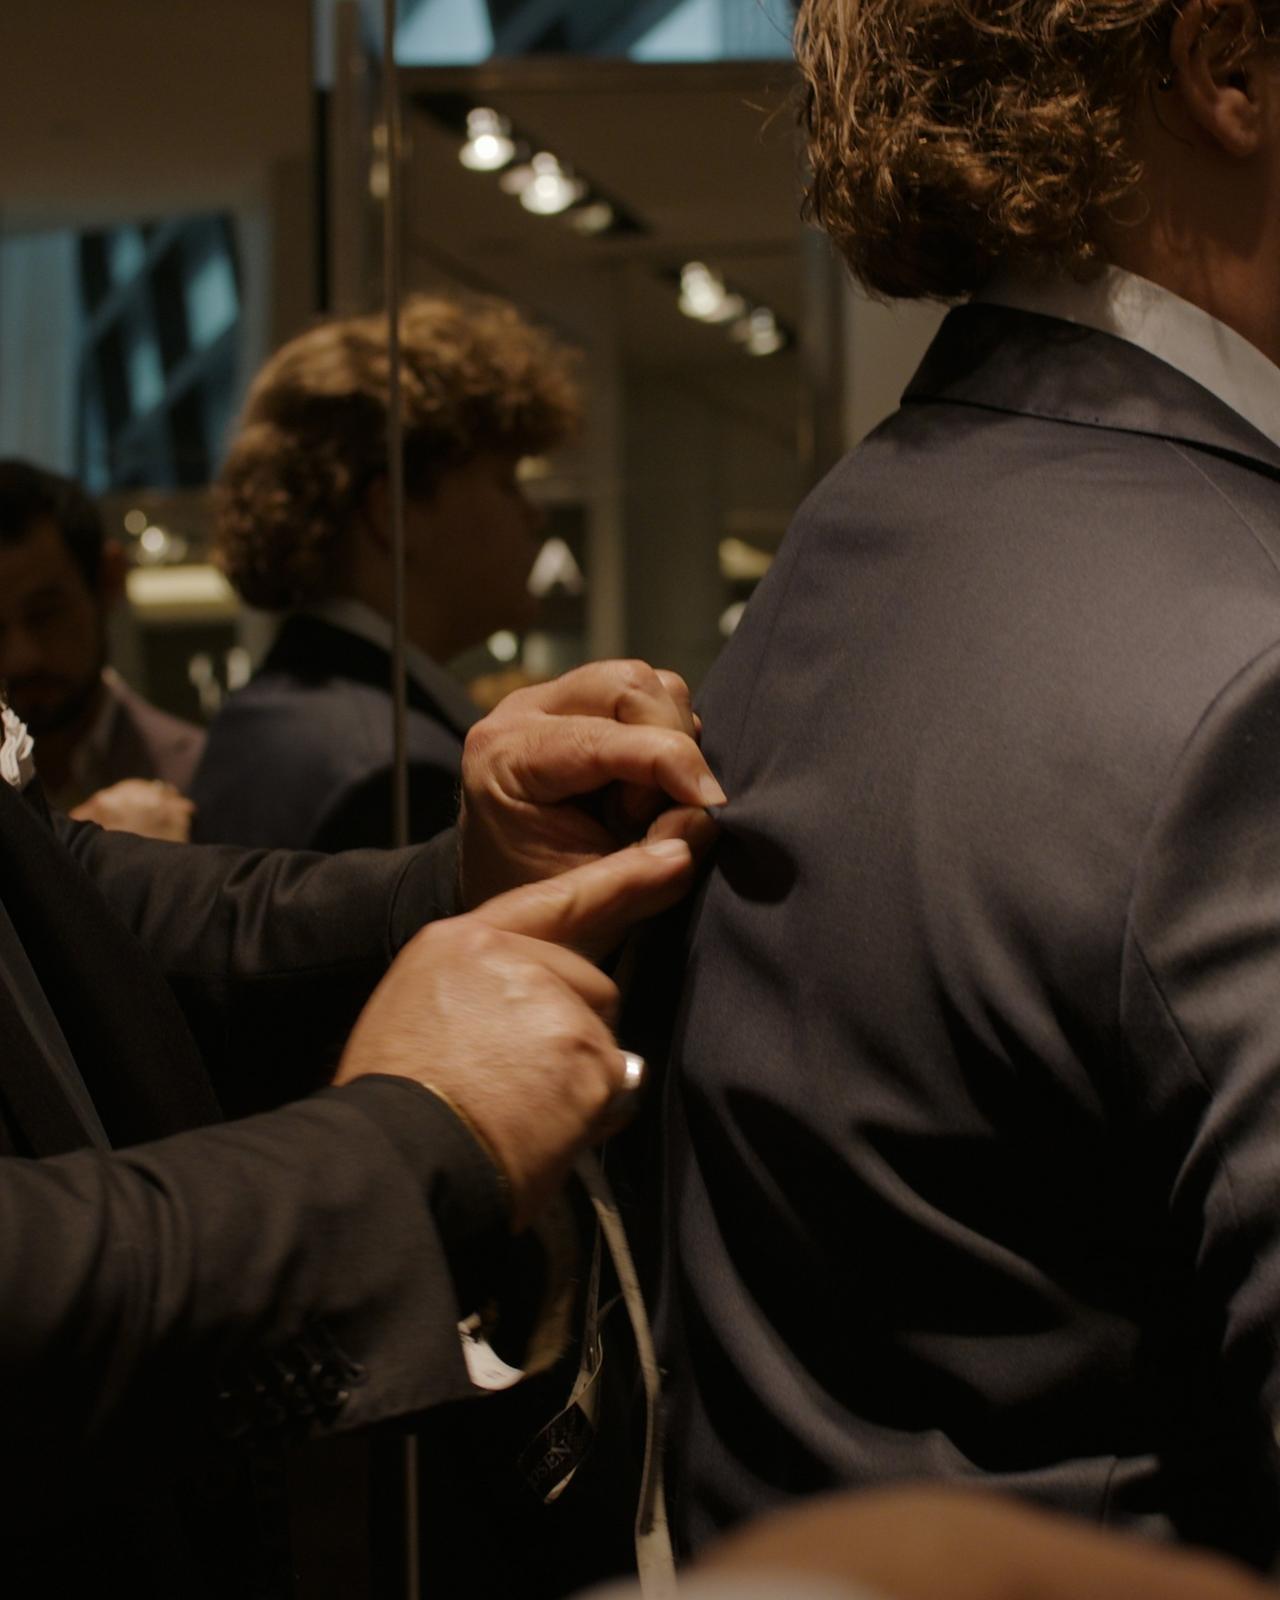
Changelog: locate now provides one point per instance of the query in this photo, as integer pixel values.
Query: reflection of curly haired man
(975, 1100)
(302, 756)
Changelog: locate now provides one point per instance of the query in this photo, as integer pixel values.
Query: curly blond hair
(948, 136)
(313, 433)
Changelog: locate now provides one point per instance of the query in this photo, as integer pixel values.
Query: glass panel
(213, 302)
(142, 359)
(461, 32)
(445, 33)
(126, 254)
(694, 31)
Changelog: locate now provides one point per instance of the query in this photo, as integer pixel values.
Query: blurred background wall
(185, 183)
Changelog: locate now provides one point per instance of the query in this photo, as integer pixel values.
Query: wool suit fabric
(972, 1114)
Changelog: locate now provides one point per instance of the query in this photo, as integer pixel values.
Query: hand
(951, 1544)
(568, 771)
(499, 1014)
(140, 805)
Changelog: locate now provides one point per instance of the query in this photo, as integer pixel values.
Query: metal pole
(395, 419)
(395, 463)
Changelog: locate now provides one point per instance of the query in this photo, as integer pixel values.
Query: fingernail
(669, 850)
(711, 792)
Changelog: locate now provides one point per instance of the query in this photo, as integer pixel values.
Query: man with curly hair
(973, 1116)
(303, 755)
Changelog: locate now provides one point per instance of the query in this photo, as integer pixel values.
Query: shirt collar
(1166, 326)
(353, 616)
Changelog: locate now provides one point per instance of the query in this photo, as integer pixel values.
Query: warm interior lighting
(759, 333)
(704, 297)
(597, 217)
(503, 646)
(489, 145)
(180, 594)
(549, 189)
(556, 568)
(741, 562)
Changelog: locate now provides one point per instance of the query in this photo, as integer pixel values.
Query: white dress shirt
(1162, 323)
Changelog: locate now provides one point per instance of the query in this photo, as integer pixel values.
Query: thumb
(590, 908)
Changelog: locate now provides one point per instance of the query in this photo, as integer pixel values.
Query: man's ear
(1215, 60)
(113, 572)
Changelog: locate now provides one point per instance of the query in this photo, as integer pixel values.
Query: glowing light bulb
(550, 189)
(503, 646)
(489, 145)
(598, 217)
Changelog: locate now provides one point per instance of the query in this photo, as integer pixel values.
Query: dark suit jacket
(295, 1274)
(149, 743)
(974, 1115)
(302, 756)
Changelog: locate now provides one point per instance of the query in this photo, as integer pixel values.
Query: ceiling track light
(705, 297)
(544, 185)
(549, 188)
(489, 146)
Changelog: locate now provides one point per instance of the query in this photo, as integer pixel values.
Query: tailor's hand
(951, 1544)
(498, 1013)
(565, 772)
(140, 805)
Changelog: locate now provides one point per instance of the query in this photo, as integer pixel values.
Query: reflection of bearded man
(59, 578)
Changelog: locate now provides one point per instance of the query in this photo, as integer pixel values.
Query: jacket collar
(316, 644)
(1038, 366)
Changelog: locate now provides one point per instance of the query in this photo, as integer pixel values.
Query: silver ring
(624, 1101)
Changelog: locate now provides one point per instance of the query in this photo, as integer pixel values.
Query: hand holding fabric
(568, 771)
(499, 1014)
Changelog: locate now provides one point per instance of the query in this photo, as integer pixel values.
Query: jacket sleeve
(1200, 1026)
(290, 1275)
(361, 813)
(271, 954)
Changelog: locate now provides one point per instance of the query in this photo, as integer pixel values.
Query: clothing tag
(485, 1367)
(549, 1463)
(556, 1452)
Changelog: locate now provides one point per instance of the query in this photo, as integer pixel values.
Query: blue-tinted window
(142, 358)
(718, 30)
(126, 253)
(454, 32)
(445, 33)
(213, 302)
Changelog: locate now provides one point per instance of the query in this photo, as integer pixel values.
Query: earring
(1166, 82)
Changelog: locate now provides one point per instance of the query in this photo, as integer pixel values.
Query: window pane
(213, 302)
(445, 33)
(125, 254)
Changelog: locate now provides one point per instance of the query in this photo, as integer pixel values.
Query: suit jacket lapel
(1006, 360)
(42, 1108)
(312, 649)
(121, 1023)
